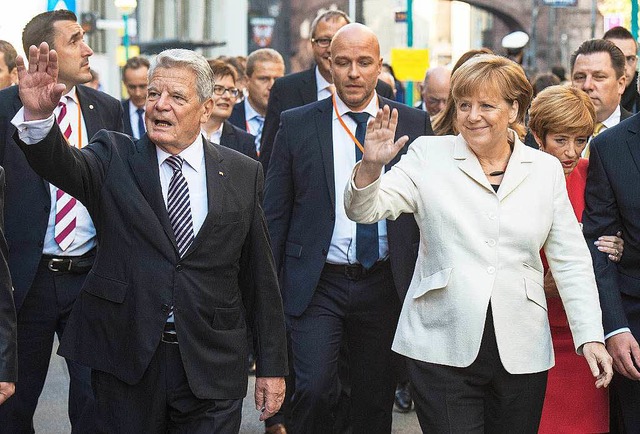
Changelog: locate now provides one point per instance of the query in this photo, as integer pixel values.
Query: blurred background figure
(514, 44)
(388, 78)
(542, 81)
(135, 78)
(95, 80)
(218, 129)
(623, 39)
(8, 71)
(435, 90)
(561, 73)
(398, 87)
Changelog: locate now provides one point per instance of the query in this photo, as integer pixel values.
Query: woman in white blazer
(474, 322)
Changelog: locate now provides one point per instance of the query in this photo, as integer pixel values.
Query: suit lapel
(324, 129)
(468, 162)
(632, 141)
(228, 138)
(309, 88)
(216, 190)
(518, 169)
(144, 164)
(90, 115)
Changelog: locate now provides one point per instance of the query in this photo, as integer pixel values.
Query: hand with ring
(612, 245)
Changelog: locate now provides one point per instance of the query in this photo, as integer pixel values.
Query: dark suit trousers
(625, 393)
(364, 313)
(481, 398)
(44, 313)
(162, 402)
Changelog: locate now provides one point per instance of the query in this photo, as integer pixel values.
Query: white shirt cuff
(32, 132)
(617, 332)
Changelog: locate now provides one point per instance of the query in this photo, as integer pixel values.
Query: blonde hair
(503, 75)
(562, 109)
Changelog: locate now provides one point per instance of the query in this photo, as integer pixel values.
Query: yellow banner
(410, 64)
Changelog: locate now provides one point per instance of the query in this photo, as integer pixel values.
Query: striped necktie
(179, 205)
(141, 127)
(64, 231)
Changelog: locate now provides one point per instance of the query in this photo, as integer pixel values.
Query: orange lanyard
(79, 144)
(344, 126)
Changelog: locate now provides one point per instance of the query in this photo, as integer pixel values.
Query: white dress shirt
(343, 241)
(215, 136)
(195, 173)
(323, 87)
(133, 118)
(34, 131)
(254, 126)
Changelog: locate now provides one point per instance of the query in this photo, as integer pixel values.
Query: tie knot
(62, 104)
(598, 128)
(175, 162)
(360, 118)
(140, 111)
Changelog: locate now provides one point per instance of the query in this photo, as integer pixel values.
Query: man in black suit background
(8, 345)
(338, 282)
(135, 76)
(218, 129)
(184, 265)
(612, 202)
(314, 84)
(264, 66)
(49, 261)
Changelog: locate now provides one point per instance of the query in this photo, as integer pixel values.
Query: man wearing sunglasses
(218, 129)
(308, 86)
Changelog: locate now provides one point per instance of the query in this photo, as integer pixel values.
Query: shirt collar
(614, 119)
(249, 111)
(371, 108)
(70, 95)
(134, 108)
(193, 154)
(321, 83)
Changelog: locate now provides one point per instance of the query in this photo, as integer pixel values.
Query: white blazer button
(491, 242)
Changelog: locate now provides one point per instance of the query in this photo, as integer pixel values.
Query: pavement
(50, 417)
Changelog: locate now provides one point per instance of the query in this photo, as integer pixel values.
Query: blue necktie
(366, 235)
(141, 129)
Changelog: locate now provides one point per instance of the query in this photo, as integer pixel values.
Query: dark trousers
(481, 398)
(364, 313)
(162, 402)
(45, 312)
(625, 393)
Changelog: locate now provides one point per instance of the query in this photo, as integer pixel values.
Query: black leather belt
(70, 264)
(169, 335)
(354, 271)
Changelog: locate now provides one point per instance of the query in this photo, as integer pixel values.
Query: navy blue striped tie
(179, 205)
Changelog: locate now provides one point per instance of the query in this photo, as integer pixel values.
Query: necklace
(495, 173)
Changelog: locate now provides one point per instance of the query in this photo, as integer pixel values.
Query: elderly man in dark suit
(8, 345)
(339, 281)
(612, 202)
(308, 86)
(50, 234)
(184, 265)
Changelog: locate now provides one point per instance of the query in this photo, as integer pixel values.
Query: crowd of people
(476, 256)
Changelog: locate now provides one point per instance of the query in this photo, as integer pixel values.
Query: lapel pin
(220, 173)
(91, 106)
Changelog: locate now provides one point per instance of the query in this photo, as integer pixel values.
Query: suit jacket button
(178, 268)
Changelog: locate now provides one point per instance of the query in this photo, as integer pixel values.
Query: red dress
(572, 403)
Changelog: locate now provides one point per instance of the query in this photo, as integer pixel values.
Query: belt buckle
(353, 272)
(58, 260)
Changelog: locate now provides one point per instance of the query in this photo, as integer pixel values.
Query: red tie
(65, 224)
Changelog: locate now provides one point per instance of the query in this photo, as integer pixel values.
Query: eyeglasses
(631, 59)
(220, 90)
(322, 42)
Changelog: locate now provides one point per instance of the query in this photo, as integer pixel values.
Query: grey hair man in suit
(184, 265)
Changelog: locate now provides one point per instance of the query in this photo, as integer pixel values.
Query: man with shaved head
(340, 281)
(435, 89)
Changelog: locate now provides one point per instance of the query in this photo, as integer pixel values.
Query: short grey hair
(328, 15)
(181, 58)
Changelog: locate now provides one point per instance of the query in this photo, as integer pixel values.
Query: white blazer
(477, 246)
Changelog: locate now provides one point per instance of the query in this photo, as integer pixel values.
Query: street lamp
(126, 8)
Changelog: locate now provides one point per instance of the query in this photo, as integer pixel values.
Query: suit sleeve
(271, 124)
(8, 343)
(259, 285)
(279, 194)
(601, 216)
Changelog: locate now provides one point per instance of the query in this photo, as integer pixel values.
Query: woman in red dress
(561, 120)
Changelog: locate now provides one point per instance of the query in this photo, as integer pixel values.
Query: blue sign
(53, 5)
(560, 3)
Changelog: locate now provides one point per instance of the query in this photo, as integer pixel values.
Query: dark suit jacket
(126, 119)
(238, 139)
(612, 203)
(238, 116)
(300, 201)
(8, 344)
(292, 91)
(28, 200)
(226, 278)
